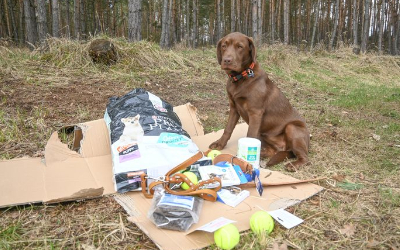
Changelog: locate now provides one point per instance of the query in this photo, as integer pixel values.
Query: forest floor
(351, 104)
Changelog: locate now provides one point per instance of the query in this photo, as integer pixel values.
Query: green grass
(389, 197)
(9, 234)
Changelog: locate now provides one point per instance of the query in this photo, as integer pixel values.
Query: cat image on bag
(132, 130)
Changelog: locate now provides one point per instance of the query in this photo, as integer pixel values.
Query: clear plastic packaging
(174, 212)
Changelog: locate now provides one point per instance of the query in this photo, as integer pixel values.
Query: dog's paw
(218, 145)
(296, 165)
(291, 168)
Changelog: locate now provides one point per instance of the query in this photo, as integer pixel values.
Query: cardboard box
(65, 174)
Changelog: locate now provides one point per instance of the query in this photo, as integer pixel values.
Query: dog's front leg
(232, 121)
(255, 120)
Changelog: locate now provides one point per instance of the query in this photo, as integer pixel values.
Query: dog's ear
(252, 49)
(219, 53)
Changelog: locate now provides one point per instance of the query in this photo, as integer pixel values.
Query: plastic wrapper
(174, 212)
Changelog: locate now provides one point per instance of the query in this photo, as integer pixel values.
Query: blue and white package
(146, 137)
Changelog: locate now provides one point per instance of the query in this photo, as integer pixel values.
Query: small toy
(192, 177)
(213, 153)
(227, 237)
(261, 222)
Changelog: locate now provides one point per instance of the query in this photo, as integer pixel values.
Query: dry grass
(346, 99)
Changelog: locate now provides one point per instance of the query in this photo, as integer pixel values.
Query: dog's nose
(228, 60)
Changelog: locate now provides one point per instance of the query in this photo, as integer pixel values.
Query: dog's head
(235, 52)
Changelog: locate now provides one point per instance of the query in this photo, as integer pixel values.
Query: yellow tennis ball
(192, 177)
(261, 222)
(213, 153)
(227, 237)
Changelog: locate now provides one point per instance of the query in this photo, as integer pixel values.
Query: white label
(285, 218)
(215, 224)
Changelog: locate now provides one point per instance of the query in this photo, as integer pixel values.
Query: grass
(351, 104)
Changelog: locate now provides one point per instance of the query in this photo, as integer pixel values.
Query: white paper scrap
(215, 224)
(285, 218)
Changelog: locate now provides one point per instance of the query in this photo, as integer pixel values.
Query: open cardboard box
(65, 175)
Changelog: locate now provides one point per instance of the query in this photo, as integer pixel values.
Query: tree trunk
(114, 19)
(135, 20)
(233, 18)
(2, 31)
(355, 24)
(7, 18)
(308, 27)
(381, 23)
(335, 25)
(194, 31)
(187, 31)
(398, 28)
(21, 22)
(41, 19)
(365, 33)
(286, 22)
(245, 25)
(182, 20)
(395, 12)
(56, 16)
(298, 24)
(254, 20)
(272, 13)
(315, 24)
(349, 22)
(77, 30)
(13, 22)
(260, 19)
(30, 22)
(340, 27)
(238, 16)
(164, 41)
(279, 19)
(68, 26)
(82, 16)
(223, 16)
(174, 16)
(170, 30)
(219, 19)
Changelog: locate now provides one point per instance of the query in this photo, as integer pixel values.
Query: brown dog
(255, 98)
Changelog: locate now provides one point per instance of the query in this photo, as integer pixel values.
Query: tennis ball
(261, 222)
(227, 237)
(192, 177)
(213, 153)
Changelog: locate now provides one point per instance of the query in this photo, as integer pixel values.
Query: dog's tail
(280, 157)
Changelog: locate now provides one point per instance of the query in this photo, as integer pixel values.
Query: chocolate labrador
(261, 104)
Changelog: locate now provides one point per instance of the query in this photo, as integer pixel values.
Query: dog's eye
(223, 46)
(240, 46)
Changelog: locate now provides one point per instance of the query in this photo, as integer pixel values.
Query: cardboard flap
(22, 181)
(190, 121)
(56, 151)
(70, 179)
(101, 170)
(96, 139)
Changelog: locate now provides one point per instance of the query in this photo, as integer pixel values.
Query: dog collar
(248, 72)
